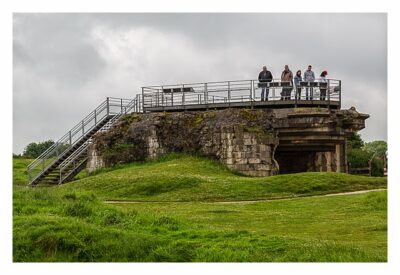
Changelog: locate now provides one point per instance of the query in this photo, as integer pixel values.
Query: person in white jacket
(322, 79)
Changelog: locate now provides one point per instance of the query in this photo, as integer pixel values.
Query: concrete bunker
(256, 142)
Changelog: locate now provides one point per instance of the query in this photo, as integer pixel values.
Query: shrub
(377, 167)
(358, 158)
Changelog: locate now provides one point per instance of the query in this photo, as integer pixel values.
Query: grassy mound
(72, 222)
(190, 178)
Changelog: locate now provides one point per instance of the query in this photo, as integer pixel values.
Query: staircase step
(52, 174)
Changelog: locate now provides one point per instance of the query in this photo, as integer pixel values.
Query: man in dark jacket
(263, 77)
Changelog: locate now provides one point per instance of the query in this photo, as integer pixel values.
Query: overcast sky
(66, 64)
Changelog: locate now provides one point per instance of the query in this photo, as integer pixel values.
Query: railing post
(143, 98)
(95, 118)
(253, 90)
(162, 96)
(340, 94)
(273, 90)
(229, 93)
(70, 138)
(172, 97)
(205, 94)
(83, 128)
(251, 94)
(183, 94)
(329, 95)
(122, 108)
(108, 106)
(312, 94)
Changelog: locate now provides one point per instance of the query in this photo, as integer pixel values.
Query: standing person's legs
(311, 93)
(298, 93)
(266, 94)
(323, 94)
(307, 98)
(262, 93)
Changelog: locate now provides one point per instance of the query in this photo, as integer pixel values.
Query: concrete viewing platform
(241, 94)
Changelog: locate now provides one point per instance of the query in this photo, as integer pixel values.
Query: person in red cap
(323, 87)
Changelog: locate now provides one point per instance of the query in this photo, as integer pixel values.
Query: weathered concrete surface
(315, 139)
(260, 142)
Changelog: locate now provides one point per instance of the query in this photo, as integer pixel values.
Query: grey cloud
(56, 47)
(62, 70)
(307, 37)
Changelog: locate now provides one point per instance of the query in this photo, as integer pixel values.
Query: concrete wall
(253, 142)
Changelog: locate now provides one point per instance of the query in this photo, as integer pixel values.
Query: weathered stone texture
(255, 142)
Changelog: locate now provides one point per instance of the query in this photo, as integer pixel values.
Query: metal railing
(114, 107)
(73, 161)
(238, 91)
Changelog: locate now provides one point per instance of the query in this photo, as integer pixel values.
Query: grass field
(182, 216)
(189, 178)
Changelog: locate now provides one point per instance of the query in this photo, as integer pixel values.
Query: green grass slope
(20, 174)
(73, 223)
(190, 178)
(50, 225)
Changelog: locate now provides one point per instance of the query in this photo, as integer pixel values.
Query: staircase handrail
(97, 115)
(112, 121)
(86, 144)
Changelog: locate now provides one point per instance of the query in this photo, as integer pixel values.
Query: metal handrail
(224, 81)
(75, 128)
(80, 130)
(230, 91)
(83, 148)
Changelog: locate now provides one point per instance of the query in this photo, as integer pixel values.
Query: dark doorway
(295, 162)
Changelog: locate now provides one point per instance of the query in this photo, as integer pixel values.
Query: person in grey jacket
(309, 77)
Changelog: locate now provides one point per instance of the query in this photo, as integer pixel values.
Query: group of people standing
(287, 76)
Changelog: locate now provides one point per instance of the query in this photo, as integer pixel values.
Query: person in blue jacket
(297, 78)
